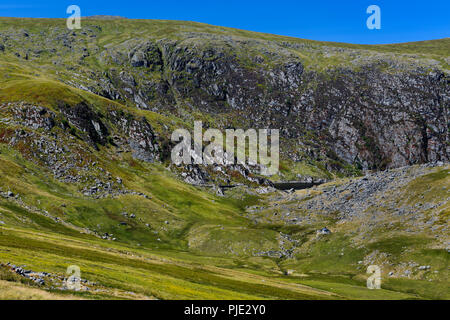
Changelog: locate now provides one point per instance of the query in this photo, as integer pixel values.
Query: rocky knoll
(407, 205)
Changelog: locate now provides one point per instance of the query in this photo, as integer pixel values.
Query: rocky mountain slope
(85, 124)
(365, 106)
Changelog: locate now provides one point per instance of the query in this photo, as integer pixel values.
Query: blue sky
(343, 21)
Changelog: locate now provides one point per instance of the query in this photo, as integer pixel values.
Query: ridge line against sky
(323, 20)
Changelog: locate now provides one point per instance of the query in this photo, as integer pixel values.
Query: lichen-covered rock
(87, 121)
(139, 136)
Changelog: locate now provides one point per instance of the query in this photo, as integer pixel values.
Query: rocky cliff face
(338, 106)
(379, 113)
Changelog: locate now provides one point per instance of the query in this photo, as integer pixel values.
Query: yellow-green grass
(166, 270)
(139, 273)
(15, 291)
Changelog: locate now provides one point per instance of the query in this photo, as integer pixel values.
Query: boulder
(324, 231)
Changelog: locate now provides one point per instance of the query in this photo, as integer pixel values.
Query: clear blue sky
(338, 20)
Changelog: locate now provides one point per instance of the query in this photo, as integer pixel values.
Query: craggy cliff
(338, 107)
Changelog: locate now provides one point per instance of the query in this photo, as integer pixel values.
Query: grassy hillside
(154, 236)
